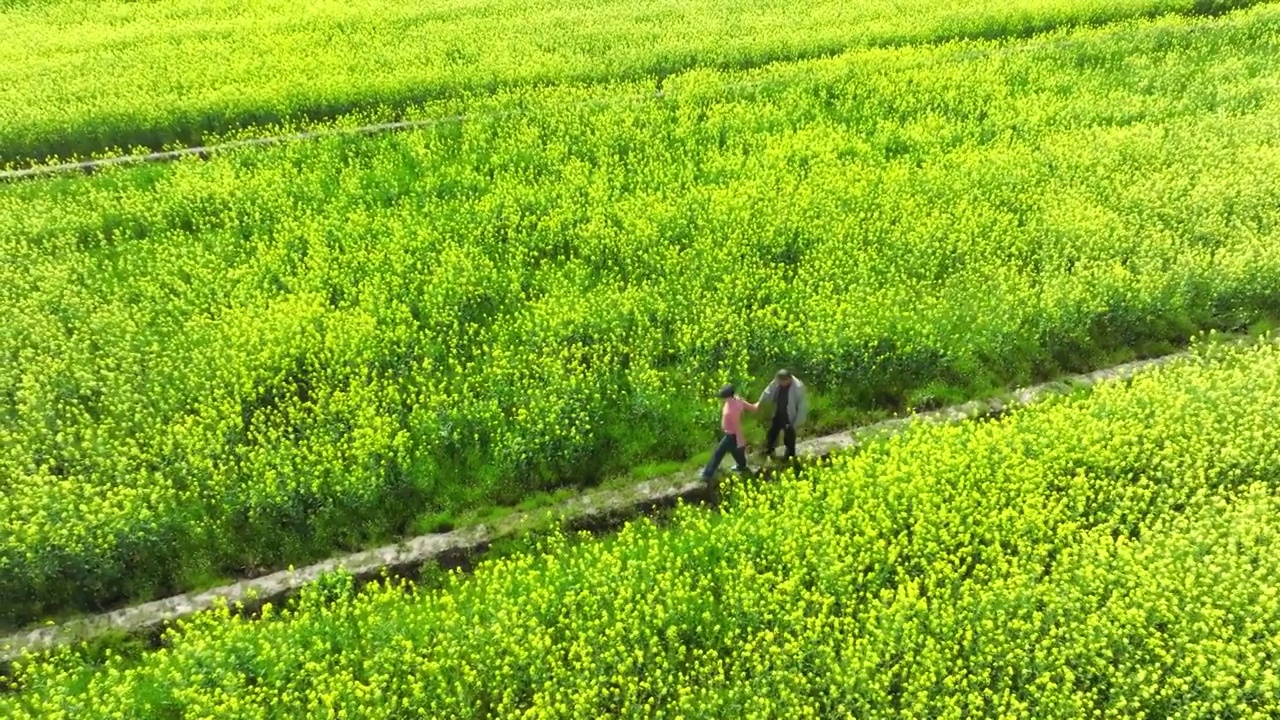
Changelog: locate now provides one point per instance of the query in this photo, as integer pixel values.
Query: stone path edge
(583, 510)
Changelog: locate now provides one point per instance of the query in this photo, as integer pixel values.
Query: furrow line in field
(1016, 45)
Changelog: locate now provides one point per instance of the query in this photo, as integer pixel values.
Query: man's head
(726, 392)
(783, 377)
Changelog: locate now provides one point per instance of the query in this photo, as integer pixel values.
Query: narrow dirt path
(592, 509)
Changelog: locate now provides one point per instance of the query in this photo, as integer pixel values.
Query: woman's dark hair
(726, 392)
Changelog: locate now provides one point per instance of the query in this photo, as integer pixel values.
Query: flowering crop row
(83, 76)
(1114, 555)
(277, 353)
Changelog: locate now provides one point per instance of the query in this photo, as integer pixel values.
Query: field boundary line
(203, 151)
(594, 508)
(1000, 46)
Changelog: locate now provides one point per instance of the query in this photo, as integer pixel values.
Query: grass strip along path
(86, 76)
(594, 509)
(1113, 553)
(264, 359)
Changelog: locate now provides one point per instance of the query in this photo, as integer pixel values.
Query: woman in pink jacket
(733, 441)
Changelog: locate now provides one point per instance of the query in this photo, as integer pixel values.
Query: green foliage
(1111, 555)
(217, 366)
(85, 76)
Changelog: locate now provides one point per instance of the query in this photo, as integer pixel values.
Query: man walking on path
(733, 441)
(790, 406)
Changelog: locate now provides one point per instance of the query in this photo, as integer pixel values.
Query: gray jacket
(797, 400)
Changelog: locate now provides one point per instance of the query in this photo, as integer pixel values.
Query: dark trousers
(727, 445)
(784, 426)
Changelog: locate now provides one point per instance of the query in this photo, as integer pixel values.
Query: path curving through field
(596, 509)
